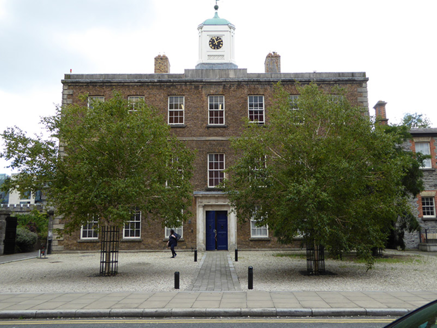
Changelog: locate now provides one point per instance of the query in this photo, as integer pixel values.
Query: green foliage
(415, 121)
(110, 162)
(25, 240)
(331, 174)
(35, 222)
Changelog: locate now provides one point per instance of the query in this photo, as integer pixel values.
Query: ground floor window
(132, 228)
(90, 230)
(258, 232)
(178, 230)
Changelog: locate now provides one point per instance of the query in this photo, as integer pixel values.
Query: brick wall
(196, 133)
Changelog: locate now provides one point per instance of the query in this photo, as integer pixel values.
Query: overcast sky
(394, 42)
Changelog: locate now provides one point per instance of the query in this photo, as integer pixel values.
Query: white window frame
(430, 206)
(92, 99)
(254, 105)
(90, 228)
(427, 162)
(218, 170)
(178, 230)
(264, 229)
(178, 106)
(293, 102)
(133, 100)
(216, 104)
(261, 165)
(180, 170)
(131, 225)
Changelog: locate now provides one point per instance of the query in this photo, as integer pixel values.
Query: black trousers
(172, 250)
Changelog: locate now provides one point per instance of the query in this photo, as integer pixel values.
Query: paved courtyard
(68, 285)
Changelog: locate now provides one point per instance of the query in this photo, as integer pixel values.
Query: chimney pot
(162, 64)
(272, 64)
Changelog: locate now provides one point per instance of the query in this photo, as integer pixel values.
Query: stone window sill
(94, 240)
(260, 239)
(127, 240)
(177, 125)
(180, 240)
(430, 219)
(216, 126)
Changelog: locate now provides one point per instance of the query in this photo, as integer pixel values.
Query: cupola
(216, 43)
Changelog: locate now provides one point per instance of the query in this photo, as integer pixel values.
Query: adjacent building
(205, 107)
(424, 140)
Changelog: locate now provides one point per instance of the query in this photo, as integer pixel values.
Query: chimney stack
(272, 63)
(162, 64)
(380, 113)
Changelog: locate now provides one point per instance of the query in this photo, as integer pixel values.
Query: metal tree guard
(109, 250)
(315, 259)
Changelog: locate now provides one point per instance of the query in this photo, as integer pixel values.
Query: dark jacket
(172, 241)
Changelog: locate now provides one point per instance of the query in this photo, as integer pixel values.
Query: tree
(415, 121)
(330, 173)
(111, 161)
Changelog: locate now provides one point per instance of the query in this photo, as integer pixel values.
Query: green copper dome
(216, 20)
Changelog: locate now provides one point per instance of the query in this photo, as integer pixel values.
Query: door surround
(214, 201)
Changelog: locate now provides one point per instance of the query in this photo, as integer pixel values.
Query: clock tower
(216, 44)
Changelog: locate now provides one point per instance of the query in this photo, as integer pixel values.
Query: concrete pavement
(215, 291)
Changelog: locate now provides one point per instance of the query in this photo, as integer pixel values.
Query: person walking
(172, 243)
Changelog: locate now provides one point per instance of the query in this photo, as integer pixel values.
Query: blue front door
(216, 230)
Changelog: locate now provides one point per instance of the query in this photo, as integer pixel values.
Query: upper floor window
(90, 230)
(424, 148)
(256, 109)
(428, 207)
(134, 102)
(132, 228)
(293, 102)
(335, 99)
(258, 168)
(176, 107)
(94, 99)
(216, 167)
(216, 110)
(174, 164)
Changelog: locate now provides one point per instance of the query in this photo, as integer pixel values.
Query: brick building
(204, 107)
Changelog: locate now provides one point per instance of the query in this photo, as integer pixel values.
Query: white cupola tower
(216, 44)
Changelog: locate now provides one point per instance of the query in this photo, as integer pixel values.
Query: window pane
(176, 105)
(216, 166)
(428, 206)
(132, 228)
(216, 108)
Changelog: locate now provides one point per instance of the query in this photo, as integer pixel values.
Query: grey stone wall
(412, 240)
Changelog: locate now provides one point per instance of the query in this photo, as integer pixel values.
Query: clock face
(215, 42)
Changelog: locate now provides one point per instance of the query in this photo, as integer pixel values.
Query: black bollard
(250, 286)
(236, 255)
(195, 255)
(176, 280)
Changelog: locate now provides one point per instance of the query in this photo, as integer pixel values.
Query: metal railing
(429, 236)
